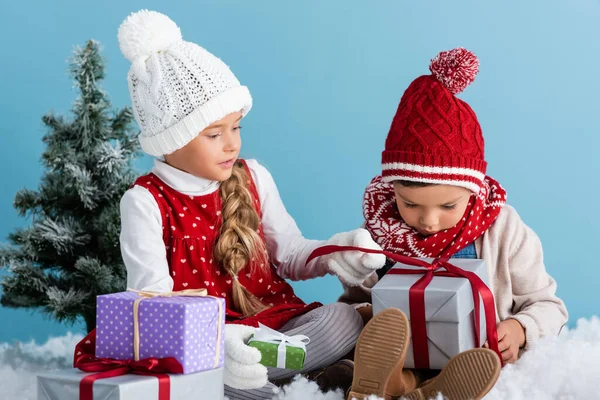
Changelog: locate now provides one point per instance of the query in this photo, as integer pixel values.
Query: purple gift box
(182, 327)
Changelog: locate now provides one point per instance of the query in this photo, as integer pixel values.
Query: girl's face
(431, 209)
(213, 152)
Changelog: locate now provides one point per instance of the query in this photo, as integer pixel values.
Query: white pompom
(146, 32)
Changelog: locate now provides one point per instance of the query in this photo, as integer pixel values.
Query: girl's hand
(242, 362)
(353, 267)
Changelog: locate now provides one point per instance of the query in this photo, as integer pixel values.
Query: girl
(434, 200)
(203, 218)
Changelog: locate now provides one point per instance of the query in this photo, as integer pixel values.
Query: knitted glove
(353, 267)
(242, 368)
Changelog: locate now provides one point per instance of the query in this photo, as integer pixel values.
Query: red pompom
(455, 69)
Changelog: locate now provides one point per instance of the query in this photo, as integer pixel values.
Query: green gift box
(279, 350)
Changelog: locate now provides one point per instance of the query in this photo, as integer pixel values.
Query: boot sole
(467, 376)
(379, 350)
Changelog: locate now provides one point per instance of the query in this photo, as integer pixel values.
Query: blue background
(326, 77)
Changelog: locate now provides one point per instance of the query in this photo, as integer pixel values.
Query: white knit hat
(177, 88)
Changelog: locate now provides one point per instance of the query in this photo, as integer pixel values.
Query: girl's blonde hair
(239, 243)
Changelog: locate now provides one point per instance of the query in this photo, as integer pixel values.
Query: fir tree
(70, 252)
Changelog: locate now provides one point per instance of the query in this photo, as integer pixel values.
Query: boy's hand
(511, 337)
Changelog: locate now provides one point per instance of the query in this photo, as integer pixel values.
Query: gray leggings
(333, 331)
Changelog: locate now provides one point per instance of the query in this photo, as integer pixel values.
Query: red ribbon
(417, 297)
(86, 360)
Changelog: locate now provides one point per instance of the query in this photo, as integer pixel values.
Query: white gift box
(64, 385)
(449, 309)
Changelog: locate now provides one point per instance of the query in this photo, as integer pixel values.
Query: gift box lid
(447, 299)
(130, 296)
(185, 304)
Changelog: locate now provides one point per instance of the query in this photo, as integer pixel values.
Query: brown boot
(401, 381)
(467, 376)
(335, 376)
(380, 350)
(366, 313)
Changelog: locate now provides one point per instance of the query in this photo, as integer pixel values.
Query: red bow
(417, 297)
(86, 360)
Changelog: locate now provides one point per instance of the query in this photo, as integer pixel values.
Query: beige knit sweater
(522, 288)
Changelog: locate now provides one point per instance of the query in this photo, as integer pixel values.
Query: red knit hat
(435, 137)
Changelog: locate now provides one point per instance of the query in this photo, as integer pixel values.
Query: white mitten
(242, 368)
(353, 267)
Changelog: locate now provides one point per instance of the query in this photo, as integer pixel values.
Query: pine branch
(108, 225)
(59, 154)
(87, 68)
(112, 158)
(25, 287)
(59, 130)
(27, 242)
(91, 123)
(9, 255)
(131, 147)
(27, 201)
(63, 235)
(81, 181)
(121, 124)
(66, 305)
(58, 197)
(97, 277)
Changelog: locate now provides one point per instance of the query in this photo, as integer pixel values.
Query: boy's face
(431, 209)
(212, 153)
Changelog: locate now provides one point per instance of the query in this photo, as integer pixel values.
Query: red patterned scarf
(388, 229)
